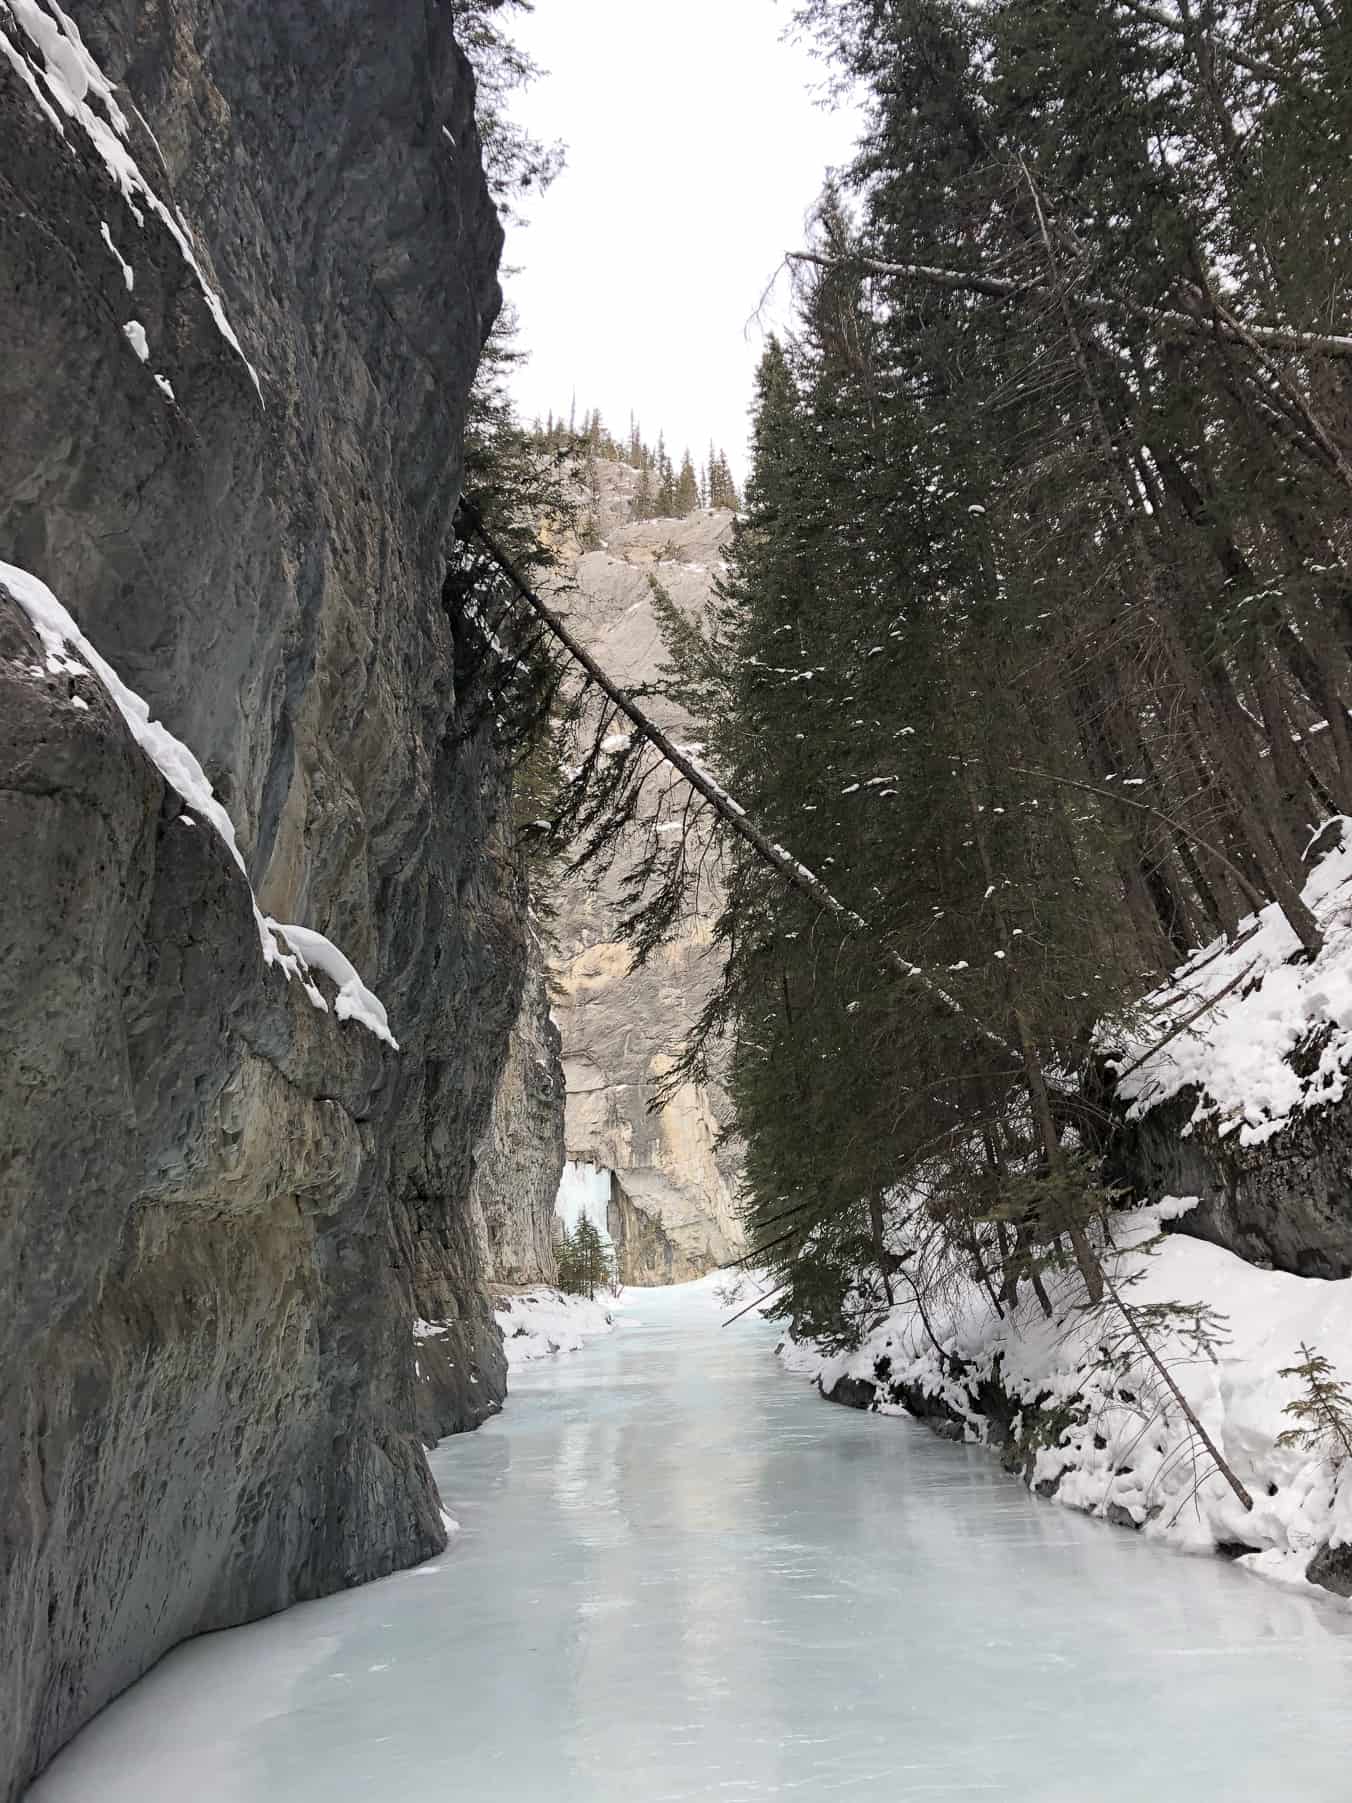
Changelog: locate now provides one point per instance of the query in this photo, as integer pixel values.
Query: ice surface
(682, 1576)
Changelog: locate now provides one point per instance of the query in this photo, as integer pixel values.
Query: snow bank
(69, 653)
(1094, 1424)
(1226, 1026)
(539, 1323)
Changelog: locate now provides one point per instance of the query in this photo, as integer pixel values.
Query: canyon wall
(678, 1214)
(520, 1159)
(247, 263)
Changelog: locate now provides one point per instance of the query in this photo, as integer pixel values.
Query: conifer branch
(1154, 15)
(1249, 891)
(470, 523)
(1102, 306)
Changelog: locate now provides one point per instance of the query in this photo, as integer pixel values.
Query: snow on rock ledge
(72, 79)
(70, 653)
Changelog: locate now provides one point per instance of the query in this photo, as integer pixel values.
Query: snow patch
(1227, 1024)
(70, 653)
(540, 1323)
(128, 273)
(73, 79)
(135, 334)
(354, 1000)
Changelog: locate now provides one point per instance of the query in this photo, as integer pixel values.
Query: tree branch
(1208, 325)
(1154, 15)
(1251, 893)
(470, 523)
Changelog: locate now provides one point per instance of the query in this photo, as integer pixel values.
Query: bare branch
(1253, 894)
(1102, 306)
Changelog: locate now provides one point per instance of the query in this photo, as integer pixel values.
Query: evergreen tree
(1322, 1412)
(1006, 547)
(686, 497)
(664, 495)
(566, 1262)
(595, 1264)
(642, 506)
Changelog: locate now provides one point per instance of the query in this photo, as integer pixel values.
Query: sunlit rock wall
(620, 1027)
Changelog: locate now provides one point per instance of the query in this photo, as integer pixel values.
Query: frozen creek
(681, 1575)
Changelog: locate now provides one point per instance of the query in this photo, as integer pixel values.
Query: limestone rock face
(674, 1203)
(521, 1156)
(221, 1211)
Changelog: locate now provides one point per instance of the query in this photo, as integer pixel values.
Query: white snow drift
(1226, 1025)
(541, 1322)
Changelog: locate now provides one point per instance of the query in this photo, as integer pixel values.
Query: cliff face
(1285, 1204)
(677, 1214)
(247, 261)
(521, 1157)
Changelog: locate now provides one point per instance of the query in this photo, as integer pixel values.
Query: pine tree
(920, 613)
(721, 490)
(664, 496)
(642, 507)
(1323, 1410)
(686, 497)
(592, 1266)
(567, 1262)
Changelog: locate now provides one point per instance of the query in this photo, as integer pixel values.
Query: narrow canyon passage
(681, 1575)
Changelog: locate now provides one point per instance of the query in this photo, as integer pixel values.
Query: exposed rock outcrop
(1286, 1203)
(676, 1213)
(520, 1160)
(242, 295)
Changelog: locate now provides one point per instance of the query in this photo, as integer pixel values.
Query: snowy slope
(1094, 1426)
(1226, 1026)
(539, 1323)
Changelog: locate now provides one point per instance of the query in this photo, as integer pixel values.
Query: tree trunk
(876, 1230)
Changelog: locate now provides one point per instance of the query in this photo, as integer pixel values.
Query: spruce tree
(664, 495)
(686, 498)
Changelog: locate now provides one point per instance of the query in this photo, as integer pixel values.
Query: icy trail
(682, 1576)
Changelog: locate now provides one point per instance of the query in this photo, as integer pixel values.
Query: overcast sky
(695, 150)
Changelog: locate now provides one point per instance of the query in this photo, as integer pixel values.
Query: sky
(696, 148)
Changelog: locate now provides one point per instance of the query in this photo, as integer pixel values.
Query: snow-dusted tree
(1322, 1412)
